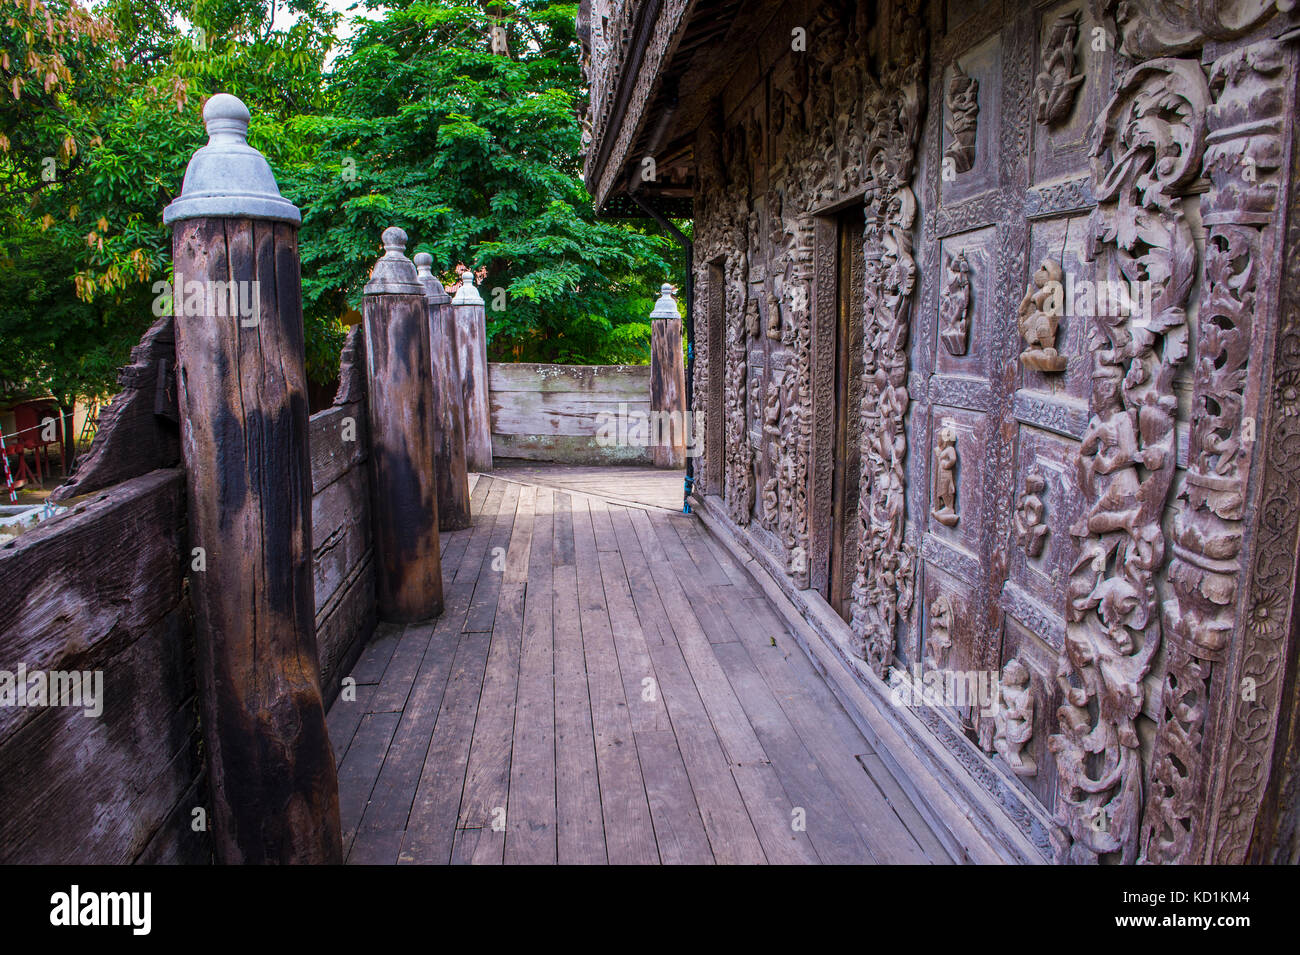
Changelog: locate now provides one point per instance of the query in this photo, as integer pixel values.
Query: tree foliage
(416, 122)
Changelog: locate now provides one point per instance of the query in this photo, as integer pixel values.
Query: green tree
(473, 150)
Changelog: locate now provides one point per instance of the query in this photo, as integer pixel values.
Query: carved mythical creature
(962, 101)
(1014, 720)
(1031, 529)
(945, 477)
(1057, 84)
(1039, 316)
(954, 305)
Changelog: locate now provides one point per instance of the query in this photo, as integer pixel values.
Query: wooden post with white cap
(408, 579)
(471, 335)
(242, 391)
(448, 403)
(667, 383)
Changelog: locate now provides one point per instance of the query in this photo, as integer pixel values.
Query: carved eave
(678, 57)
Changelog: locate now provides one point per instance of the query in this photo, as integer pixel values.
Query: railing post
(243, 402)
(471, 336)
(667, 383)
(408, 584)
(448, 403)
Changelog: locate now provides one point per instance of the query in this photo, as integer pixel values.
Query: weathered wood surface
(557, 412)
(668, 390)
(403, 489)
(450, 464)
(471, 342)
(644, 486)
(596, 720)
(100, 588)
(244, 429)
(138, 430)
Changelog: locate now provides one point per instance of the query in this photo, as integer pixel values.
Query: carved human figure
(938, 639)
(1057, 84)
(1014, 719)
(1108, 459)
(773, 317)
(752, 319)
(954, 306)
(962, 101)
(1031, 528)
(945, 477)
(1038, 318)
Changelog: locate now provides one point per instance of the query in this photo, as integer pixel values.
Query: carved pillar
(1147, 149)
(883, 582)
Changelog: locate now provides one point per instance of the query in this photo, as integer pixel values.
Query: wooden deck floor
(605, 685)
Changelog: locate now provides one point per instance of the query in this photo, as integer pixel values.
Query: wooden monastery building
(995, 330)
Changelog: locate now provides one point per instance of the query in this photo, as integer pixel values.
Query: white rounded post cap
(434, 293)
(228, 178)
(467, 294)
(666, 307)
(394, 274)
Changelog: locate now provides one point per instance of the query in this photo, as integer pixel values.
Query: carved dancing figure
(1014, 720)
(945, 477)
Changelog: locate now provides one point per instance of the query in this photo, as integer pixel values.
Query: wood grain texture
(585, 719)
(471, 342)
(243, 404)
(668, 389)
(404, 491)
(449, 462)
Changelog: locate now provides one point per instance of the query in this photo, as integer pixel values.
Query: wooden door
(847, 463)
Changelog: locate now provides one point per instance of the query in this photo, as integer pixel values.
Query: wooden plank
(432, 823)
(344, 629)
(521, 537)
(601, 525)
(344, 717)
(580, 831)
(360, 768)
(331, 455)
(531, 822)
(770, 810)
(829, 735)
(726, 820)
(485, 515)
(629, 830)
(679, 831)
(561, 413)
(483, 606)
(487, 780)
(630, 381)
(904, 809)
(709, 572)
(376, 847)
(399, 677)
(645, 703)
(725, 711)
(374, 658)
(567, 449)
(824, 814)
(394, 792)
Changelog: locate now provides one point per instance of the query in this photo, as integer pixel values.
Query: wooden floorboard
(605, 685)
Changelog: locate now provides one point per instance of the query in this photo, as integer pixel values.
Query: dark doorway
(846, 477)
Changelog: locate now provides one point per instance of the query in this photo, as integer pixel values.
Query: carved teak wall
(1095, 503)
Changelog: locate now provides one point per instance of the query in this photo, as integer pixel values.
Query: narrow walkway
(605, 685)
